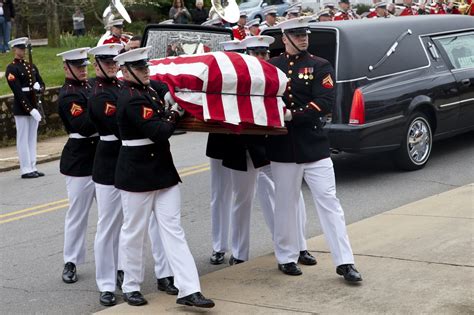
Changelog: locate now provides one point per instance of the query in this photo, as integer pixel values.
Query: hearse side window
(459, 49)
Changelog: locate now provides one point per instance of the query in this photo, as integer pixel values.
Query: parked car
(254, 8)
(400, 83)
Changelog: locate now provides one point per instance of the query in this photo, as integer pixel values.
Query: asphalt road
(32, 214)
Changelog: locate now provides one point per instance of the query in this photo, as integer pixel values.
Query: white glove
(177, 109)
(36, 114)
(169, 100)
(288, 116)
(37, 86)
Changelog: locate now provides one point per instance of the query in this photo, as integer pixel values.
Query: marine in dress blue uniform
(24, 79)
(304, 154)
(77, 157)
(148, 183)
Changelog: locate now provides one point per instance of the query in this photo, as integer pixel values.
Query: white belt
(136, 143)
(26, 89)
(108, 138)
(79, 136)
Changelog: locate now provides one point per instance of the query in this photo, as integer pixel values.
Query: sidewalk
(416, 259)
(47, 150)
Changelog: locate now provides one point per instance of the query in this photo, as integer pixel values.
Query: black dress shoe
(69, 273)
(134, 298)
(291, 269)
(217, 258)
(349, 272)
(167, 285)
(306, 258)
(196, 299)
(119, 282)
(40, 174)
(30, 175)
(107, 298)
(234, 261)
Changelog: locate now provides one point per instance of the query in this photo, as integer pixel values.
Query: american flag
(226, 87)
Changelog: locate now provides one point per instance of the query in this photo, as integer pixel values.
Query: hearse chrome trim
(456, 103)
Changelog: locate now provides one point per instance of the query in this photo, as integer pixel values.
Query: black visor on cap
(258, 49)
(138, 64)
(118, 26)
(78, 62)
(298, 31)
(240, 51)
(344, 1)
(105, 57)
(21, 46)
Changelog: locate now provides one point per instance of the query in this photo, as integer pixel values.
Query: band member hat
(271, 9)
(254, 22)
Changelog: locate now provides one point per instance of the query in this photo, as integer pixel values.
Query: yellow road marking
(32, 208)
(35, 213)
(183, 173)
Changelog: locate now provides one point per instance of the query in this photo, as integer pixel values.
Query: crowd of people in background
(7, 16)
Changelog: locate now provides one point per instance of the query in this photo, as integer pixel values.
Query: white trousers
(162, 266)
(320, 178)
(26, 135)
(266, 197)
(107, 236)
(165, 205)
(81, 193)
(221, 203)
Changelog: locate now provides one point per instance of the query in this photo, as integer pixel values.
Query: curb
(43, 160)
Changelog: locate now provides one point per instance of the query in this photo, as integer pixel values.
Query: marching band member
(239, 30)
(324, 16)
(293, 11)
(304, 154)
(116, 30)
(331, 7)
(253, 28)
(221, 186)
(410, 10)
(439, 7)
(270, 13)
(102, 109)
(380, 11)
(24, 80)
(77, 157)
(345, 12)
(148, 183)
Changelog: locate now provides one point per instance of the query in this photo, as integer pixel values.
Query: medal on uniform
(300, 76)
(301, 73)
(310, 76)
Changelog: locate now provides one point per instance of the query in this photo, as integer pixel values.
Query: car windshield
(249, 4)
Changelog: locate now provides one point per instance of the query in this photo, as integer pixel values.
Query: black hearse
(400, 83)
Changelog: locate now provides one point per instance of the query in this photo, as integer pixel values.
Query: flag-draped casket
(237, 91)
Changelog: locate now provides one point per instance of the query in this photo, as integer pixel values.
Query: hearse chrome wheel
(415, 149)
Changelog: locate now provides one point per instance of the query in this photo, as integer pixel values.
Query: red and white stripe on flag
(225, 87)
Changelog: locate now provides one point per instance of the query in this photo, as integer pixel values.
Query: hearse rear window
(167, 41)
(459, 49)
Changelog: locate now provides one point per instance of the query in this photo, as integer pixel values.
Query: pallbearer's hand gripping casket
(225, 92)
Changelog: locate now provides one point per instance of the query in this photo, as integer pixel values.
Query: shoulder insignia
(76, 110)
(110, 109)
(147, 112)
(327, 82)
(11, 77)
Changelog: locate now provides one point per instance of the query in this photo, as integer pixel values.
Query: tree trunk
(52, 23)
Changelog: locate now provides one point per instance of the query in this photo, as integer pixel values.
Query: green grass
(50, 66)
